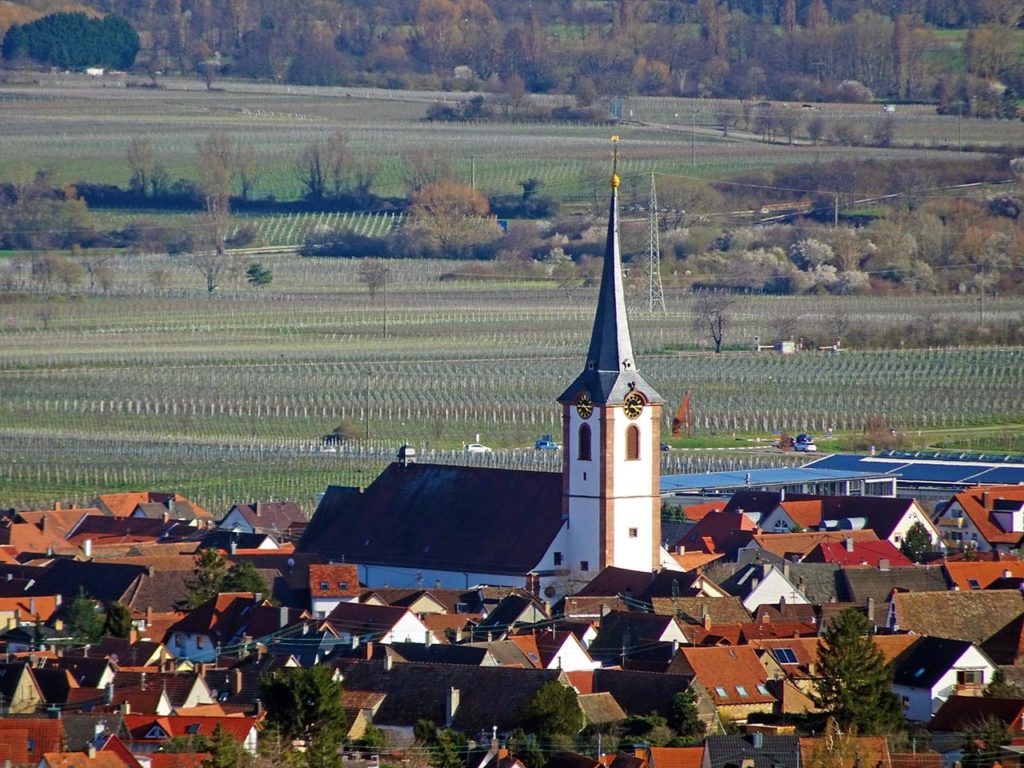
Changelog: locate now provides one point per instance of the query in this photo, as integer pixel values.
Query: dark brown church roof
(442, 518)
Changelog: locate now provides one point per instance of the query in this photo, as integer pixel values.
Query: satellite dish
(549, 590)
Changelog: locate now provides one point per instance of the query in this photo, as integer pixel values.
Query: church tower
(610, 428)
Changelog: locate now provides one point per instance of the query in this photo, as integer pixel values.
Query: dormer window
(343, 585)
(324, 585)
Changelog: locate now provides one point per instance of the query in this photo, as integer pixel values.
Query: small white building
(935, 668)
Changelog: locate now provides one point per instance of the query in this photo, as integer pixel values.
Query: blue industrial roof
(948, 468)
(709, 481)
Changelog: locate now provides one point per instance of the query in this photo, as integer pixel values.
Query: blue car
(547, 444)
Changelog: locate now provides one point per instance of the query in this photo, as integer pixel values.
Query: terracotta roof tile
(801, 544)
(334, 581)
(17, 733)
(731, 675)
(676, 757)
(982, 573)
(977, 503)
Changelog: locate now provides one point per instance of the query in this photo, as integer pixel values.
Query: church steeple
(611, 422)
(610, 370)
(610, 346)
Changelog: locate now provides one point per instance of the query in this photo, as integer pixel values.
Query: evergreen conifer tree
(855, 685)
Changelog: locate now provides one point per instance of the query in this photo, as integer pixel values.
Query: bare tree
(142, 162)
(216, 154)
(711, 315)
(426, 165)
(726, 115)
(246, 169)
(322, 167)
(451, 215)
(373, 273)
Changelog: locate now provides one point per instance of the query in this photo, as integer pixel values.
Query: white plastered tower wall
(611, 498)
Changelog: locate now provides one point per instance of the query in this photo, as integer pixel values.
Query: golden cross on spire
(615, 161)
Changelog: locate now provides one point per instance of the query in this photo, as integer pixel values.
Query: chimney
(32, 602)
(90, 751)
(149, 616)
(883, 564)
(871, 610)
(429, 638)
(986, 499)
(1007, 573)
(786, 570)
(258, 508)
(56, 506)
(282, 617)
(108, 694)
(126, 708)
(87, 547)
(437, 583)
(757, 739)
(387, 661)
(142, 681)
(451, 706)
(236, 681)
(849, 543)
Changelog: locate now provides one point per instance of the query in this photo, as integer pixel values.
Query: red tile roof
(123, 504)
(676, 757)
(859, 553)
(728, 673)
(982, 573)
(719, 532)
(173, 725)
(334, 581)
(46, 735)
(977, 503)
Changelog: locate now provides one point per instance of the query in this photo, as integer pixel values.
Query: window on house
(558, 558)
(632, 442)
(584, 565)
(974, 584)
(742, 691)
(199, 641)
(763, 690)
(342, 585)
(192, 728)
(324, 585)
(583, 448)
(633, 533)
(721, 691)
(969, 677)
(31, 744)
(785, 656)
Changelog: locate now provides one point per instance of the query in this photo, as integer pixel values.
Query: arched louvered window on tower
(632, 442)
(583, 450)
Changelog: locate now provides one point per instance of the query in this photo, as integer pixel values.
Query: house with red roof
(987, 517)
(851, 552)
(330, 585)
(151, 504)
(378, 623)
(280, 518)
(722, 532)
(146, 734)
(733, 677)
(890, 518)
(24, 741)
(229, 618)
(554, 648)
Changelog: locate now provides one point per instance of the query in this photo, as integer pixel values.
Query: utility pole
(472, 171)
(835, 213)
(655, 294)
(693, 139)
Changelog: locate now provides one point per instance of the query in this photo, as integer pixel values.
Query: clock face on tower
(584, 406)
(633, 405)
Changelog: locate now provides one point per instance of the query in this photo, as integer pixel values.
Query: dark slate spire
(610, 371)
(610, 345)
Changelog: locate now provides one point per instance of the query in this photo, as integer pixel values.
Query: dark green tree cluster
(74, 41)
(212, 575)
(917, 543)
(305, 703)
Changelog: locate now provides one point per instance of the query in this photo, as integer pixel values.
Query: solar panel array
(931, 467)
